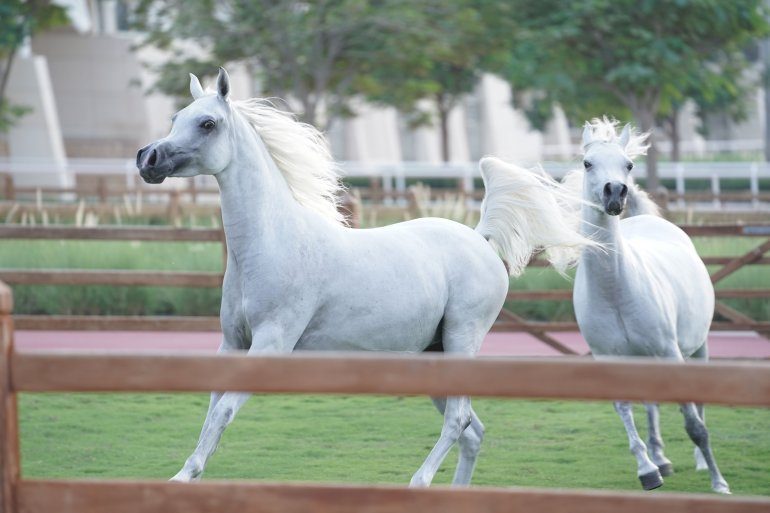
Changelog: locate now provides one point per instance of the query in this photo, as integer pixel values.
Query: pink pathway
(722, 344)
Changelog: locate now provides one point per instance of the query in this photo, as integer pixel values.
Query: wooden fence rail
(508, 320)
(726, 383)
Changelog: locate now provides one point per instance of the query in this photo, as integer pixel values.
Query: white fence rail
(395, 175)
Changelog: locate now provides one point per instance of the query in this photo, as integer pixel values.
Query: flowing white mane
(604, 129)
(301, 153)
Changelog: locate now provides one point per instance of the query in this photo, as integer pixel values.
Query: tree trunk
(646, 120)
(443, 118)
(675, 137)
(765, 53)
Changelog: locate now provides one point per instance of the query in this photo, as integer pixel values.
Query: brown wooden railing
(566, 378)
(508, 320)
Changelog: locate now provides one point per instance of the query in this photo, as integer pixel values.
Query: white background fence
(396, 175)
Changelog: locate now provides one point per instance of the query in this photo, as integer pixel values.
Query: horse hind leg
(700, 460)
(647, 471)
(469, 443)
(698, 433)
(655, 441)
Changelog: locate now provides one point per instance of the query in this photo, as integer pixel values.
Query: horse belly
(377, 332)
(684, 281)
(407, 328)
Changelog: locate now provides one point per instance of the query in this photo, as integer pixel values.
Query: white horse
(646, 293)
(297, 278)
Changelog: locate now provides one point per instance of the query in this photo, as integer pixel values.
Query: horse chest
(623, 317)
(262, 292)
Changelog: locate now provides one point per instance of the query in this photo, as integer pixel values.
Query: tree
(714, 90)
(441, 62)
(642, 56)
(19, 20)
(311, 53)
(324, 54)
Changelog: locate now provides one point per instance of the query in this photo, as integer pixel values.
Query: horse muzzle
(155, 162)
(614, 198)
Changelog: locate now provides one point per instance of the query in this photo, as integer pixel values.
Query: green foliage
(311, 53)
(455, 43)
(320, 56)
(20, 20)
(630, 53)
(10, 113)
(360, 439)
(628, 56)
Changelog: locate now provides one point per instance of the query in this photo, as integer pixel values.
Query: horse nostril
(153, 158)
(623, 191)
(607, 189)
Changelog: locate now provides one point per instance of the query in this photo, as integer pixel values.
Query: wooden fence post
(9, 421)
(10, 193)
(101, 189)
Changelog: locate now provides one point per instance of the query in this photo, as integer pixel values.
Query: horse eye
(208, 124)
(630, 166)
(587, 164)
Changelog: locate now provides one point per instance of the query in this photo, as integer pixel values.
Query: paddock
(733, 383)
(547, 332)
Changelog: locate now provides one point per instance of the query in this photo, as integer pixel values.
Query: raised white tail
(525, 211)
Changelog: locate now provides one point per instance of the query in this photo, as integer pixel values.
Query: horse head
(198, 142)
(607, 165)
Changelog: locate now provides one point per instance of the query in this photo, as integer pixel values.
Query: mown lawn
(363, 439)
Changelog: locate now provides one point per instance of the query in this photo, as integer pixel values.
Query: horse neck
(257, 204)
(605, 262)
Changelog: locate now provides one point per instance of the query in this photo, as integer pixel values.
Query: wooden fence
(731, 319)
(109, 196)
(566, 378)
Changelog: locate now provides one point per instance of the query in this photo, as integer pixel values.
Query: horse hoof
(651, 481)
(666, 469)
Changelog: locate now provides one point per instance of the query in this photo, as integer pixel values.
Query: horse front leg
(655, 441)
(190, 471)
(698, 433)
(221, 414)
(647, 471)
(222, 410)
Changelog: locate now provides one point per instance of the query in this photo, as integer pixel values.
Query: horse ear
(588, 135)
(196, 90)
(625, 136)
(223, 84)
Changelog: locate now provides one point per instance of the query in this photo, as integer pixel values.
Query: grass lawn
(181, 256)
(364, 439)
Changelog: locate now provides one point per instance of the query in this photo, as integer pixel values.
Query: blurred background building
(87, 87)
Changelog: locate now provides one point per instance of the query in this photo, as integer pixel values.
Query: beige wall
(96, 80)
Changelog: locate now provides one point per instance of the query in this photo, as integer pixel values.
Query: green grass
(182, 256)
(365, 439)
(104, 300)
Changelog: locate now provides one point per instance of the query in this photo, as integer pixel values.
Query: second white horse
(646, 293)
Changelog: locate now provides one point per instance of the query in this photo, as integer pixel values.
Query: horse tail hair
(639, 203)
(525, 211)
